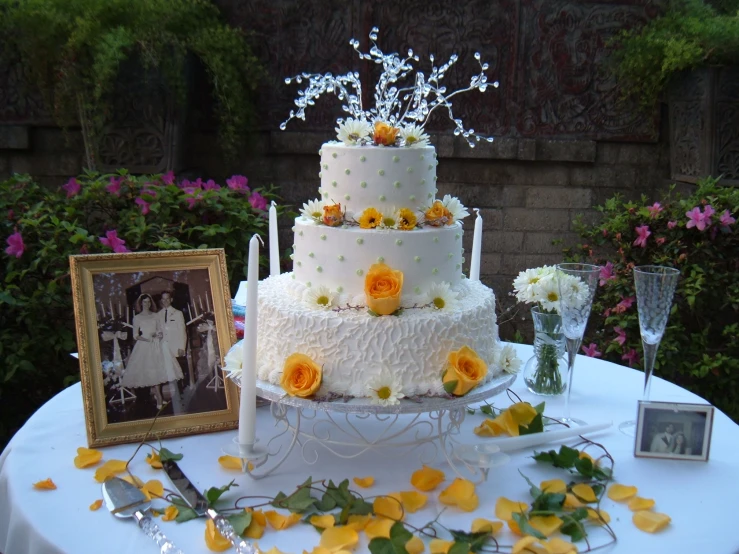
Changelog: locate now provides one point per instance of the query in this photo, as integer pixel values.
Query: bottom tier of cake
(354, 348)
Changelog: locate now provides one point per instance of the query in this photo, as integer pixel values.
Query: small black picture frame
(674, 430)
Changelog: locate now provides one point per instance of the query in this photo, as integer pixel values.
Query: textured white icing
(425, 255)
(353, 346)
(388, 177)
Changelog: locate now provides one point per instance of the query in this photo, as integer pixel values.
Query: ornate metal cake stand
(348, 429)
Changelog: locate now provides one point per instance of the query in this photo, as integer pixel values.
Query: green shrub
(37, 332)
(697, 235)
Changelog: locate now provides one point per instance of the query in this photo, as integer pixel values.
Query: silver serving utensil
(199, 504)
(124, 501)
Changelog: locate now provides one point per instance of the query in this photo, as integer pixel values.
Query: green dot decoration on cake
(398, 242)
(380, 260)
(363, 184)
(396, 184)
(416, 259)
(360, 241)
(340, 258)
(323, 237)
(362, 158)
(360, 272)
(381, 172)
(435, 271)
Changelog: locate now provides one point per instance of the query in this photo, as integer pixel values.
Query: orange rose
(382, 288)
(385, 134)
(465, 370)
(301, 376)
(437, 215)
(332, 215)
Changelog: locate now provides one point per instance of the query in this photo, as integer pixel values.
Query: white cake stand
(348, 429)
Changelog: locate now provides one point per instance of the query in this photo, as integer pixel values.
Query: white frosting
(360, 177)
(353, 346)
(339, 258)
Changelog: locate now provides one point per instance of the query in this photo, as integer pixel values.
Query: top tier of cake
(360, 177)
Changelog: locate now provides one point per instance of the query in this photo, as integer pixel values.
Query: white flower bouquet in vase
(545, 372)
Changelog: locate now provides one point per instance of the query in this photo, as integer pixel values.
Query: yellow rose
(382, 288)
(385, 134)
(465, 368)
(437, 215)
(407, 219)
(332, 215)
(370, 218)
(301, 376)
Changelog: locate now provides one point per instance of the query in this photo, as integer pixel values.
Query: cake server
(124, 500)
(199, 504)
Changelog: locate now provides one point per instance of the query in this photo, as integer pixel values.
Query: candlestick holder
(251, 455)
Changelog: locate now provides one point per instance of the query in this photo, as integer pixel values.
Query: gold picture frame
(132, 352)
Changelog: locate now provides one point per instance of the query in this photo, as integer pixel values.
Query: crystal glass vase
(545, 373)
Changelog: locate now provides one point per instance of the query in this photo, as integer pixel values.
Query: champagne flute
(655, 287)
(577, 285)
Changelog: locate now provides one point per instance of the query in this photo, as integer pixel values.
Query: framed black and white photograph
(151, 331)
(677, 431)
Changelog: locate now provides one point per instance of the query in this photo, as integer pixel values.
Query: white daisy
(548, 293)
(413, 135)
(313, 209)
(508, 361)
(320, 298)
(573, 289)
(391, 218)
(385, 388)
(526, 284)
(353, 132)
(233, 359)
(455, 207)
(442, 296)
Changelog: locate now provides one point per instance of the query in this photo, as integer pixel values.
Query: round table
(693, 494)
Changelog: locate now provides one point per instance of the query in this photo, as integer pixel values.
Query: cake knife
(199, 504)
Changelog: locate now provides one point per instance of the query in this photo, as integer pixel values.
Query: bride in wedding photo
(151, 364)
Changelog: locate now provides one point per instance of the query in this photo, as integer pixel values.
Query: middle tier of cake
(339, 257)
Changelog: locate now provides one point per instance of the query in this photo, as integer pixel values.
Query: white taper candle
(274, 248)
(248, 405)
(476, 248)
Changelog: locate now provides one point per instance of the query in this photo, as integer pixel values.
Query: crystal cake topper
(405, 98)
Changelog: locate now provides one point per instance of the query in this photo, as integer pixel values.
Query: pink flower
(257, 201)
(671, 224)
(624, 305)
(660, 240)
(621, 338)
(168, 178)
(84, 249)
(708, 211)
(238, 182)
(210, 184)
(144, 205)
(606, 274)
(725, 220)
(654, 209)
(194, 195)
(115, 186)
(606, 312)
(699, 220)
(605, 232)
(111, 240)
(72, 187)
(15, 245)
(643, 232)
(632, 356)
(592, 350)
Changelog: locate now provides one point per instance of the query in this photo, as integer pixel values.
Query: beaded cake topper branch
(406, 108)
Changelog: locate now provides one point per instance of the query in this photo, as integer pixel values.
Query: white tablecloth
(697, 495)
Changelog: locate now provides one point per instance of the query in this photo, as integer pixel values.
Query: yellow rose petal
(598, 517)
(584, 454)
(154, 460)
(388, 506)
(439, 546)
(109, 469)
(522, 412)
(649, 521)
(230, 462)
(638, 503)
(619, 492)
(480, 525)
(87, 457)
(464, 371)
(45, 485)
(414, 545)
(559, 546)
(357, 522)
(281, 522)
(95, 506)
(572, 502)
(427, 478)
(257, 525)
(301, 376)
(379, 527)
(584, 492)
(153, 489)
(323, 521)
(412, 500)
(364, 482)
(513, 526)
(489, 428)
(213, 538)
(504, 508)
(528, 545)
(460, 493)
(170, 513)
(554, 486)
(546, 525)
(339, 538)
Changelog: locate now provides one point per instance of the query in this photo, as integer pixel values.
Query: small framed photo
(152, 328)
(672, 430)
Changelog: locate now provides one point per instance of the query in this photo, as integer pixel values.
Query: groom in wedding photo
(172, 322)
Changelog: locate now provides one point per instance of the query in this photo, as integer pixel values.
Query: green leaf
(373, 314)
(360, 507)
(240, 521)
(540, 408)
(459, 548)
(565, 458)
(214, 493)
(399, 537)
(298, 502)
(525, 526)
(449, 386)
(487, 409)
(168, 456)
(536, 426)
(185, 513)
(474, 541)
